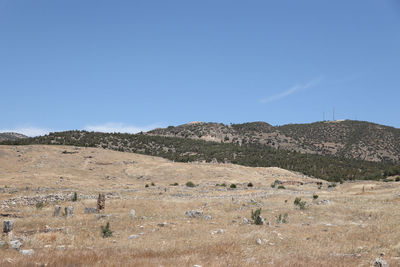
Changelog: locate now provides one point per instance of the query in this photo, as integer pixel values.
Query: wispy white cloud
(28, 131)
(116, 127)
(291, 90)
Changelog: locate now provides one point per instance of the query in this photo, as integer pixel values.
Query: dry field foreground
(350, 225)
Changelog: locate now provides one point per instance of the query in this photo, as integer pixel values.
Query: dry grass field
(351, 224)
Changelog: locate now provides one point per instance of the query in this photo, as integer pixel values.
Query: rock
(258, 241)
(15, 244)
(324, 202)
(2, 243)
(194, 214)
(8, 226)
(27, 252)
(90, 210)
(57, 210)
(103, 216)
(69, 211)
(220, 231)
(133, 237)
(207, 217)
(132, 213)
(246, 221)
(101, 202)
(163, 224)
(196, 265)
(380, 263)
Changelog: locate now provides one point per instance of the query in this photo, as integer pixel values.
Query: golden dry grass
(359, 223)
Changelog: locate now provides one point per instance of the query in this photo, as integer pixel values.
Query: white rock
(259, 241)
(27, 252)
(15, 244)
(380, 263)
(194, 213)
(207, 217)
(163, 224)
(133, 237)
(246, 221)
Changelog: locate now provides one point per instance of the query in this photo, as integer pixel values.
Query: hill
(350, 139)
(248, 154)
(9, 136)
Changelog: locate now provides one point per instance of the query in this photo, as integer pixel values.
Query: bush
(275, 183)
(190, 184)
(174, 184)
(299, 203)
(146, 185)
(39, 205)
(75, 197)
(315, 196)
(249, 185)
(255, 216)
(106, 231)
(281, 187)
(332, 185)
(153, 184)
(282, 219)
(233, 186)
(397, 179)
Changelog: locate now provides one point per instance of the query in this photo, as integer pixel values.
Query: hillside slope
(188, 150)
(349, 139)
(9, 136)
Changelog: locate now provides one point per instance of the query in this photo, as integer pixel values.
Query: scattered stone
(103, 216)
(101, 202)
(163, 224)
(69, 211)
(132, 213)
(90, 210)
(324, 202)
(258, 241)
(207, 217)
(27, 252)
(220, 231)
(380, 263)
(8, 226)
(15, 244)
(194, 214)
(57, 210)
(2, 243)
(196, 265)
(133, 237)
(62, 247)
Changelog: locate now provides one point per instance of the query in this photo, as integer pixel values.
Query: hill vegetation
(9, 136)
(248, 154)
(349, 139)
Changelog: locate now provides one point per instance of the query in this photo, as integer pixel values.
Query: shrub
(282, 219)
(301, 204)
(75, 197)
(146, 185)
(233, 186)
(332, 185)
(315, 196)
(174, 184)
(255, 216)
(153, 184)
(397, 179)
(39, 205)
(275, 183)
(249, 185)
(281, 187)
(106, 231)
(190, 184)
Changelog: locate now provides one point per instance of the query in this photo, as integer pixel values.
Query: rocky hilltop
(350, 139)
(9, 136)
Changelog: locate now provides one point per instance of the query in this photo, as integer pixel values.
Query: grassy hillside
(186, 150)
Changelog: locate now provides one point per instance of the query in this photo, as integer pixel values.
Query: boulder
(15, 244)
(57, 210)
(27, 252)
(90, 210)
(194, 213)
(69, 211)
(132, 213)
(380, 263)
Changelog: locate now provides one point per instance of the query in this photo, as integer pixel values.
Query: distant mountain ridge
(10, 136)
(350, 139)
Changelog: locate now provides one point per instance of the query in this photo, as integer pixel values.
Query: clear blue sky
(135, 65)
